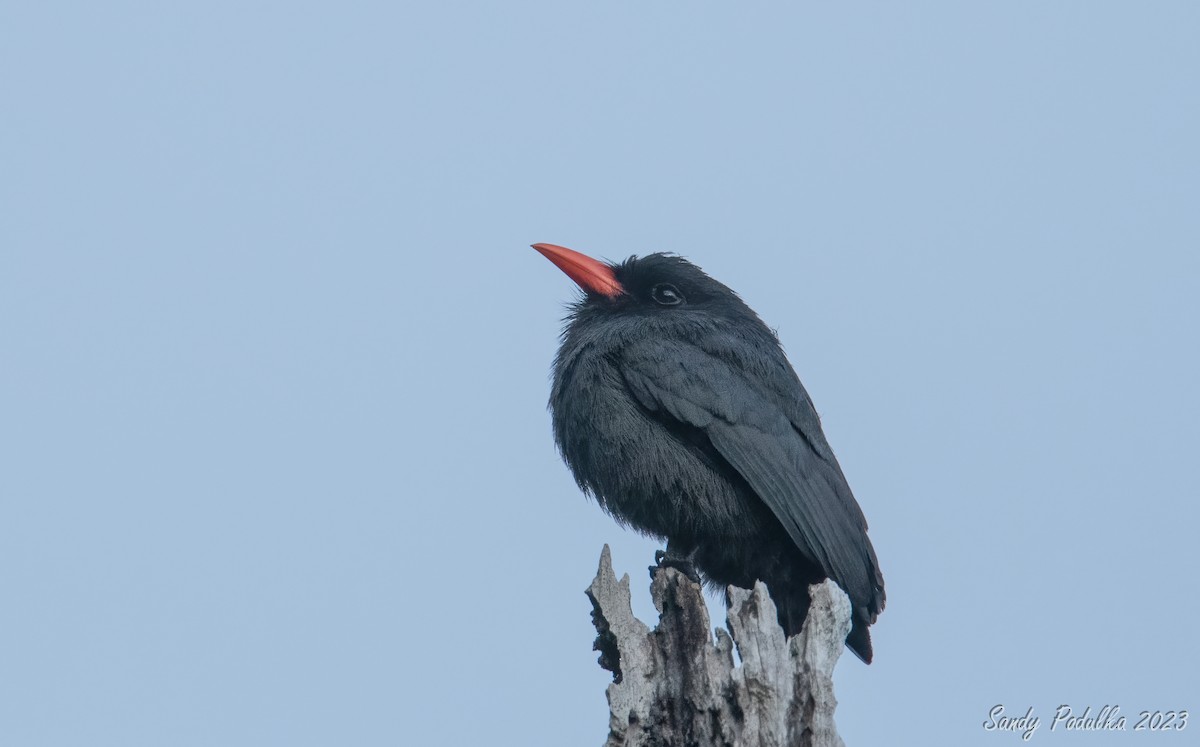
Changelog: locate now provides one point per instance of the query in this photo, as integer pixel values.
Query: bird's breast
(644, 472)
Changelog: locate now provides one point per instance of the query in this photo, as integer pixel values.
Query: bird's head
(647, 286)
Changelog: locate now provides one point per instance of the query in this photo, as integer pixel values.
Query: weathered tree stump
(675, 686)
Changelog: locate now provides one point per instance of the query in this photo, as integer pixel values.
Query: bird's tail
(794, 609)
(859, 640)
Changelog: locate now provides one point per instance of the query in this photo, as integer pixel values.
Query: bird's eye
(666, 294)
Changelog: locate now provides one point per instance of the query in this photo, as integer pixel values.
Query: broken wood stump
(676, 685)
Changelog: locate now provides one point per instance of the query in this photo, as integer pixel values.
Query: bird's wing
(753, 431)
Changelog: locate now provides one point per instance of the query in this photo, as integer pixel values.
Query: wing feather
(789, 467)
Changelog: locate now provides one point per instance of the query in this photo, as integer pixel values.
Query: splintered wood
(678, 685)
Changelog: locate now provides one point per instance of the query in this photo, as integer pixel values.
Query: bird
(675, 407)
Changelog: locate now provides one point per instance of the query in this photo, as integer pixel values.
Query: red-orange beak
(590, 274)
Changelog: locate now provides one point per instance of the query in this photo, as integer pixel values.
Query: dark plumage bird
(675, 406)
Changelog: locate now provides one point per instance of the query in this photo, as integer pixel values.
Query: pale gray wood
(678, 685)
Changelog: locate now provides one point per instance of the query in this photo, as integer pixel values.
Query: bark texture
(676, 685)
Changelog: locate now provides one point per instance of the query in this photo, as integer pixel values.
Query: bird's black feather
(688, 423)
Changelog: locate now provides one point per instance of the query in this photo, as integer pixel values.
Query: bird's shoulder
(740, 376)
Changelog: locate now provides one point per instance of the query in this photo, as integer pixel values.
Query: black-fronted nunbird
(674, 405)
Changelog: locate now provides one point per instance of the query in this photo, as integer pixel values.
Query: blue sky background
(275, 464)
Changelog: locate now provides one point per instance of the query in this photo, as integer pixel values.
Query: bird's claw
(682, 563)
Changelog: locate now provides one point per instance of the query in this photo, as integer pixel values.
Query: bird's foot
(685, 564)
